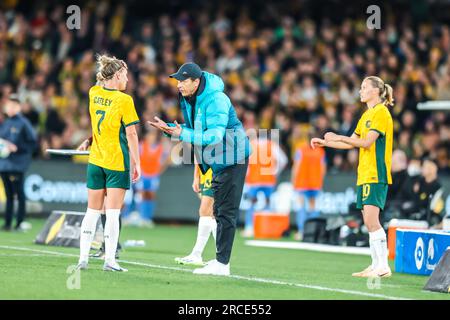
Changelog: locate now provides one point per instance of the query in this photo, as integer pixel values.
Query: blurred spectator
(401, 189)
(266, 163)
(307, 178)
(18, 135)
(154, 154)
(423, 191)
(283, 69)
(442, 158)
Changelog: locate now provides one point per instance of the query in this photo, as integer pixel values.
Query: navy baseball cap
(187, 70)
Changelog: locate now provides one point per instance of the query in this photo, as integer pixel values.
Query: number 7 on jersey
(100, 120)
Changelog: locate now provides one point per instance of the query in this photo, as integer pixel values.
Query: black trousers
(227, 186)
(13, 183)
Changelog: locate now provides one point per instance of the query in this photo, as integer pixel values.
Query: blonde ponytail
(388, 96)
(386, 91)
(107, 66)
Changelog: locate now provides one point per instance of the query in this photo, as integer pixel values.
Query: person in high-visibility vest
(154, 155)
(307, 176)
(265, 164)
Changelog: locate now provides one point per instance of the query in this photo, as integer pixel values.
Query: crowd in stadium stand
(281, 71)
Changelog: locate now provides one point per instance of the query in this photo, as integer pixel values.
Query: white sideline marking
(254, 279)
(24, 255)
(308, 246)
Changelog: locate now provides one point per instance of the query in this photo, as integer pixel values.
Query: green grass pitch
(29, 271)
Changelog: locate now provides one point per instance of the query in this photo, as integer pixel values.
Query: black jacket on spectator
(425, 191)
(18, 130)
(401, 188)
(419, 207)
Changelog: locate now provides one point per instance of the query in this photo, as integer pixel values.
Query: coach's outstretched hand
(174, 131)
(159, 124)
(317, 142)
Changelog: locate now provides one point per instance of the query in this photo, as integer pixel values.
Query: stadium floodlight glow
(434, 105)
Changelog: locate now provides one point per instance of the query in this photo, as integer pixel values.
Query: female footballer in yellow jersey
(207, 224)
(373, 136)
(114, 144)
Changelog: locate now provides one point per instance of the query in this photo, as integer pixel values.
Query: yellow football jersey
(111, 111)
(375, 163)
(206, 178)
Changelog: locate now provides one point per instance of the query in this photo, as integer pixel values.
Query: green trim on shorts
(101, 178)
(371, 194)
(206, 191)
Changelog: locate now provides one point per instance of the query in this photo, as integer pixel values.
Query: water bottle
(134, 243)
(446, 223)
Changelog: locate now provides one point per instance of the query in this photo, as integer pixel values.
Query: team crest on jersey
(368, 123)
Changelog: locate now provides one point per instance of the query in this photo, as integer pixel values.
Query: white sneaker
(133, 219)
(113, 267)
(380, 273)
(146, 224)
(127, 222)
(247, 233)
(190, 260)
(83, 265)
(364, 273)
(298, 236)
(215, 268)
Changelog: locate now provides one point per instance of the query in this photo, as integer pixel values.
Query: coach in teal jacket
(220, 143)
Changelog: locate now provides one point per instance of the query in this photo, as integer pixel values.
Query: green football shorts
(206, 190)
(371, 194)
(101, 178)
